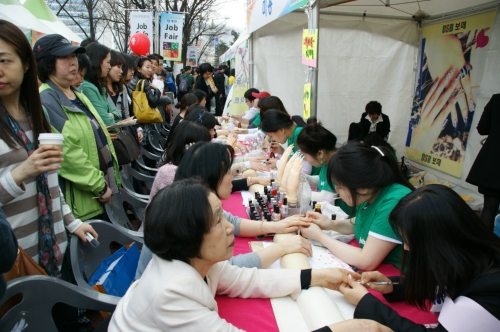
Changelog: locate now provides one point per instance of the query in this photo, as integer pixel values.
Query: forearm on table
(341, 226)
(270, 255)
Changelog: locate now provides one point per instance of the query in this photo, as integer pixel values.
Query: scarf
(48, 248)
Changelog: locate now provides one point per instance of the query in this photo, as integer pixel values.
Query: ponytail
(274, 120)
(315, 137)
(356, 166)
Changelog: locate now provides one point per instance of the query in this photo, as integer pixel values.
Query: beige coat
(172, 296)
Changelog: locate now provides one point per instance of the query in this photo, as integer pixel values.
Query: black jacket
(484, 171)
(8, 250)
(383, 128)
(201, 85)
(485, 291)
(153, 95)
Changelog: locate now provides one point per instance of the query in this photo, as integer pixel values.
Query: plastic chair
(40, 294)
(116, 212)
(150, 155)
(85, 259)
(128, 173)
(156, 141)
(146, 169)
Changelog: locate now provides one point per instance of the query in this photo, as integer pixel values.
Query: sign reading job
(142, 22)
(171, 36)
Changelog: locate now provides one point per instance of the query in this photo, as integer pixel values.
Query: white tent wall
(359, 61)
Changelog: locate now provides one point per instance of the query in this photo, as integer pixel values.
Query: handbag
(143, 112)
(126, 147)
(24, 266)
(117, 272)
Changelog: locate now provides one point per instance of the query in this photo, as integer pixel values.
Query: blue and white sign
(262, 12)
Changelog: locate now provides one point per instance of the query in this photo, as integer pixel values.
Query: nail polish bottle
(334, 216)
(284, 208)
(277, 215)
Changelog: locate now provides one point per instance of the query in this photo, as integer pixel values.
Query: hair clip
(291, 119)
(379, 151)
(201, 116)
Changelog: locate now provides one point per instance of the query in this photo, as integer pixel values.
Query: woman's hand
(84, 228)
(113, 136)
(352, 291)
(106, 197)
(276, 147)
(368, 277)
(289, 225)
(259, 159)
(332, 278)
(317, 218)
(258, 166)
(140, 136)
(359, 325)
(271, 163)
(262, 181)
(311, 231)
(295, 244)
(38, 162)
(231, 140)
(214, 88)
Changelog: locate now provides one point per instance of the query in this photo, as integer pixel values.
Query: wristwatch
(103, 191)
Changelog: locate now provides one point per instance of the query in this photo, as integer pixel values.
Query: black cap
(55, 45)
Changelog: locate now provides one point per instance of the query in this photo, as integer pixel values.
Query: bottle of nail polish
(284, 208)
(277, 215)
(334, 216)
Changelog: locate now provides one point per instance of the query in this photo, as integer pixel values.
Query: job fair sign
(171, 36)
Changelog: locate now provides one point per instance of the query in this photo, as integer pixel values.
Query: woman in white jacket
(191, 244)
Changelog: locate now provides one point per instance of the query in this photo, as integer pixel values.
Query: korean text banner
(451, 69)
(171, 36)
(241, 81)
(307, 101)
(192, 56)
(262, 12)
(142, 22)
(310, 47)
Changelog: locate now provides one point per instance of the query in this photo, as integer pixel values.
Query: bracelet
(261, 229)
(249, 181)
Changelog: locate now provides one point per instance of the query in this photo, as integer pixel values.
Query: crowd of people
(443, 249)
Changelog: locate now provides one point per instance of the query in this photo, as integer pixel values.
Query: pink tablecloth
(257, 314)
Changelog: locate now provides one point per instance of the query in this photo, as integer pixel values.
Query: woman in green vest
(284, 129)
(317, 144)
(369, 180)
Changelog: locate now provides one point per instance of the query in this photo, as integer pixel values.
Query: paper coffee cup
(51, 139)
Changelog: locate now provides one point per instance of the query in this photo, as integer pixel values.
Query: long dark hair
(185, 132)
(187, 100)
(315, 137)
(274, 120)
(129, 64)
(271, 103)
(29, 96)
(356, 166)
(200, 115)
(96, 53)
(139, 63)
(209, 161)
(117, 60)
(375, 139)
(449, 246)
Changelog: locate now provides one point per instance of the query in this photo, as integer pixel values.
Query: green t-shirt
(293, 140)
(323, 181)
(373, 220)
(256, 121)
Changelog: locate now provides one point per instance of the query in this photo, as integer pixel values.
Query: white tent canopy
(363, 58)
(21, 16)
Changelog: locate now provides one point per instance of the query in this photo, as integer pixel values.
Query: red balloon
(139, 43)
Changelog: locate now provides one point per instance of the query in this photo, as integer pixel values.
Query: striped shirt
(20, 204)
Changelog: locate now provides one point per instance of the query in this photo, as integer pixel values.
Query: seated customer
(372, 120)
(191, 240)
(368, 179)
(450, 257)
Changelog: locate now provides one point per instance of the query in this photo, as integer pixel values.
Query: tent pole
(156, 45)
(250, 62)
(313, 23)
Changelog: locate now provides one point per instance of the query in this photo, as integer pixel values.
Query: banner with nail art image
(452, 63)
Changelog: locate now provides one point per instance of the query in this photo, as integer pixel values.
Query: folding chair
(85, 259)
(117, 213)
(40, 294)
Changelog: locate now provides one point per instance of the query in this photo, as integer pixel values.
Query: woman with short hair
(90, 168)
(191, 241)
